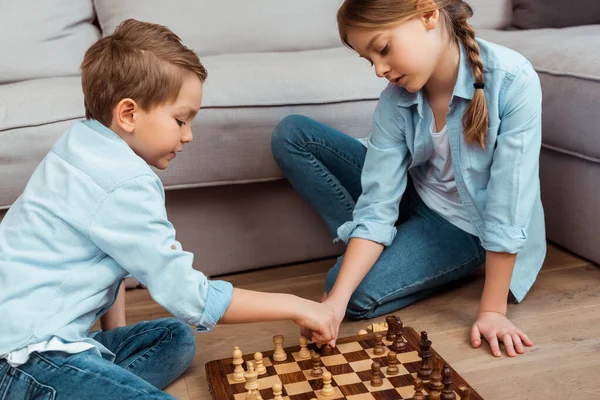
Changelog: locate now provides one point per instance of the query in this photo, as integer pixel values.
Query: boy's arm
(115, 316)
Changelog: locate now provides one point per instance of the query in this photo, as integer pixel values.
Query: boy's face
(161, 132)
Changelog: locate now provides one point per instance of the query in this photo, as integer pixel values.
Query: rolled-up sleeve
(383, 179)
(131, 227)
(514, 177)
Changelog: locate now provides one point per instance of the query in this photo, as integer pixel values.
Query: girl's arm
(498, 272)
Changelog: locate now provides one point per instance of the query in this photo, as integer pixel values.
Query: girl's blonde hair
(377, 14)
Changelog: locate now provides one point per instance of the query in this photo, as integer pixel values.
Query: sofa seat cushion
(569, 70)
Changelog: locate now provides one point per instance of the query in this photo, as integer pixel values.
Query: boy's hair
(385, 13)
(142, 61)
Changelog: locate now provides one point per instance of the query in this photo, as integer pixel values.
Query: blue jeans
(324, 165)
(149, 356)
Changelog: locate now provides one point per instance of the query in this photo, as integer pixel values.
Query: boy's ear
(124, 114)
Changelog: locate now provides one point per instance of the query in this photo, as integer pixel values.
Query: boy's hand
(495, 326)
(318, 322)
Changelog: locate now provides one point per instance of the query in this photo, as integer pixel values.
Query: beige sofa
(268, 59)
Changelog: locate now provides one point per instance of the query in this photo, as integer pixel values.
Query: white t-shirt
(436, 185)
(21, 356)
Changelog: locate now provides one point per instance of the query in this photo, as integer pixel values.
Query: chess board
(349, 363)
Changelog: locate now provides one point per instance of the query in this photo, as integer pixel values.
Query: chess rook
(391, 333)
(279, 354)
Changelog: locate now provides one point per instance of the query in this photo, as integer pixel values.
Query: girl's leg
(322, 164)
(427, 252)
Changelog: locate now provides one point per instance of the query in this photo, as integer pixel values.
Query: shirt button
(173, 247)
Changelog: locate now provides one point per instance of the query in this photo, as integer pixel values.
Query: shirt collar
(101, 128)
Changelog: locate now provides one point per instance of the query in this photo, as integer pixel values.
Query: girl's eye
(385, 50)
(180, 123)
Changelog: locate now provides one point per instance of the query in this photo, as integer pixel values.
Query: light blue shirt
(92, 213)
(499, 186)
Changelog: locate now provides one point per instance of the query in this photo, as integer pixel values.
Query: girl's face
(406, 54)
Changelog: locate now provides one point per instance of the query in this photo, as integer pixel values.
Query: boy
(92, 213)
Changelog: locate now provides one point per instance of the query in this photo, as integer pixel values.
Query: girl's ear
(429, 18)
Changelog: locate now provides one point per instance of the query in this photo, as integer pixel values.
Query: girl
(449, 176)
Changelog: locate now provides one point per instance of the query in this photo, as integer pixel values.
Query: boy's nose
(187, 137)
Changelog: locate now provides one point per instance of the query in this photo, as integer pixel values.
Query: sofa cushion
(490, 14)
(53, 36)
(231, 26)
(535, 14)
(570, 76)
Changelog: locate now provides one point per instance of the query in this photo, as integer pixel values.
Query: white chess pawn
(277, 391)
(238, 372)
(279, 354)
(258, 362)
(304, 352)
(327, 388)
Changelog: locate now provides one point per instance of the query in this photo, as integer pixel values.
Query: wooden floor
(561, 315)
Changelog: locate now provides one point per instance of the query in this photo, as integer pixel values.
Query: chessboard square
(363, 365)
(305, 364)
(238, 388)
(337, 394)
(267, 362)
(293, 377)
(383, 361)
(386, 386)
(401, 371)
(390, 394)
(240, 396)
(267, 382)
(349, 347)
(406, 391)
(412, 367)
(402, 380)
(287, 368)
(333, 360)
(296, 357)
(367, 343)
(411, 356)
(353, 388)
(308, 376)
(362, 396)
(297, 388)
(371, 353)
(340, 369)
(356, 356)
(346, 379)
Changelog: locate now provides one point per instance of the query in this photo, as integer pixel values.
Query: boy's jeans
(149, 356)
(324, 165)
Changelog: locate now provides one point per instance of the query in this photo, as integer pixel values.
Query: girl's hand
(339, 309)
(496, 327)
(318, 321)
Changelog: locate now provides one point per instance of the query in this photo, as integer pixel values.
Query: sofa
(267, 59)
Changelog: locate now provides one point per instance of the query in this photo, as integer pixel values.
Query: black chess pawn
(419, 395)
(393, 364)
(376, 379)
(326, 350)
(391, 323)
(435, 384)
(447, 392)
(399, 344)
(464, 392)
(379, 349)
(317, 371)
(425, 368)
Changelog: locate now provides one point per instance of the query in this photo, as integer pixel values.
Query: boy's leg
(427, 252)
(157, 351)
(59, 375)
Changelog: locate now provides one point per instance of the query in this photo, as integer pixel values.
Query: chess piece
(363, 332)
(435, 384)
(258, 362)
(447, 392)
(399, 344)
(418, 390)
(326, 350)
(434, 395)
(327, 388)
(376, 375)
(391, 323)
(279, 354)
(393, 364)
(277, 391)
(379, 350)
(317, 371)
(464, 392)
(251, 377)
(304, 352)
(238, 372)
(425, 368)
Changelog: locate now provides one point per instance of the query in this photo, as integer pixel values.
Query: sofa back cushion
(490, 14)
(43, 38)
(536, 14)
(233, 26)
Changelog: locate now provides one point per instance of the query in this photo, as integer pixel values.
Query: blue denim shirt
(499, 186)
(92, 213)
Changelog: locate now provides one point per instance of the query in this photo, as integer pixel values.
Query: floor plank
(561, 314)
